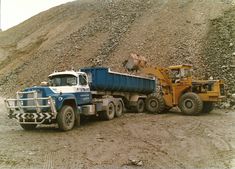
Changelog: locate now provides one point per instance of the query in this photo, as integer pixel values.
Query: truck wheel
(28, 126)
(66, 118)
(190, 104)
(140, 106)
(207, 107)
(155, 104)
(119, 109)
(109, 113)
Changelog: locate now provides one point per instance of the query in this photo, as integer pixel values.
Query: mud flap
(78, 117)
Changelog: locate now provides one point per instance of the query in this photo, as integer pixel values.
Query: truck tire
(119, 109)
(109, 113)
(190, 104)
(207, 107)
(28, 126)
(66, 118)
(140, 106)
(155, 104)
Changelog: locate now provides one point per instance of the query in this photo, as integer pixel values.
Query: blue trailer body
(102, 79)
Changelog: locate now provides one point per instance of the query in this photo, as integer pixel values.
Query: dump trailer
(70, 94)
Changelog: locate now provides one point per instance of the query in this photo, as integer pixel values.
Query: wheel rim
(111, 109)
(69, 118)
(153, 103)
(188, 104)
(119, 109)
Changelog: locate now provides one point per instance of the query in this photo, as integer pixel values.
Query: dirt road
(158, 141)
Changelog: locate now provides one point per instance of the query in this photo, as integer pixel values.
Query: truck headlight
(49, 101)
(60, 98)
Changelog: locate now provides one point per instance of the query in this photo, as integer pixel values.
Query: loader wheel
(207, 107)
(109, 113)
(140, 106)
(119, 109)
(66, 118)
(155, 104)
(190, 104)
(28, 126)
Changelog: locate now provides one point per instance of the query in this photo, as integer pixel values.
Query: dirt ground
(159, 141)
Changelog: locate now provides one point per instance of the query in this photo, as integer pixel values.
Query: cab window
(187, 72)
(63, 80)
(82, 80)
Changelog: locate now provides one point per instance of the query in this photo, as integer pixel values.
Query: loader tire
(28, 126)
(66, 118)
(155, 104)
(207, 107)
(190, 104)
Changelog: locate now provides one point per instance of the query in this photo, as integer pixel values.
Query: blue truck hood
(44, 90)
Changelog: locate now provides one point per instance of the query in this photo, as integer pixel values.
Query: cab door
(83, 94)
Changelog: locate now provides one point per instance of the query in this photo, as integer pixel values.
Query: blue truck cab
(41, 104)
(69, 94)
(69, 85)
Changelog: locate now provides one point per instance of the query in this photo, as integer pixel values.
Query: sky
(14, 12)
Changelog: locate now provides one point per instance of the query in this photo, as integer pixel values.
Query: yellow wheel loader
(177, 88)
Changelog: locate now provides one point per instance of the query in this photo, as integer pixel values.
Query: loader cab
(181, 76)
(69, 82)
(181, 73)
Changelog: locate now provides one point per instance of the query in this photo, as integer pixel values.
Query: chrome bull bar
(16, 109)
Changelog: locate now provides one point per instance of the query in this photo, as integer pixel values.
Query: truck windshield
(63, 80)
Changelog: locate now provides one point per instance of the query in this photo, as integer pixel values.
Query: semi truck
(88, 92)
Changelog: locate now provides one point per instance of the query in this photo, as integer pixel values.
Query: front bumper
(16, 110)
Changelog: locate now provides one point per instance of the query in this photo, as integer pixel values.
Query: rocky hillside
(220, 49)
(105, 32)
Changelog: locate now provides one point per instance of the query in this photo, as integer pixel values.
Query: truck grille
(31, 102)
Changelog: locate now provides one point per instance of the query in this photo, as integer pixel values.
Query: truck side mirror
(89, 78)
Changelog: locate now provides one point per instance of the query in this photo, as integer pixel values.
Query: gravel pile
(220, 52)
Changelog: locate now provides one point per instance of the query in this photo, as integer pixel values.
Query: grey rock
(225, 105)
(136, 162)
(233, 96)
